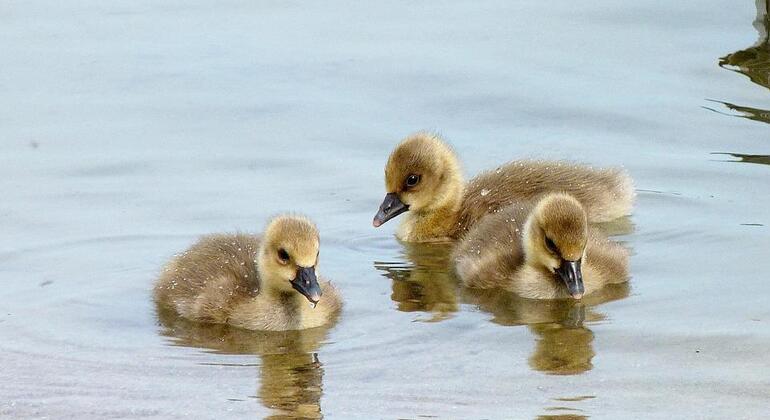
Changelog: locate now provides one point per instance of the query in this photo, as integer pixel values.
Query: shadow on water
(291, 376)
(753, 62)
(563, 343)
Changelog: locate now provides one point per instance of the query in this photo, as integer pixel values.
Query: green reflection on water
(754, 114)
(754, 63)
(291, 376)
(760, 159)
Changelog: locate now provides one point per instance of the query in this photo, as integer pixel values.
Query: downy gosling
(423, 180)
(252, 282)
(541, 251)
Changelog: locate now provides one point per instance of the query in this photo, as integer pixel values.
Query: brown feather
(605, 194)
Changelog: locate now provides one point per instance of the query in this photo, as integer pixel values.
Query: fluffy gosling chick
(545, 251)
(253, 282)
(423, 180)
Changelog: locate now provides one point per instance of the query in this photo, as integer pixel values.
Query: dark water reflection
(291, 375)
(760, 159)
(754, 114)
(753, 62)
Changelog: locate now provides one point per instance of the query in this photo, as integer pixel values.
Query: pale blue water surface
(127, 129)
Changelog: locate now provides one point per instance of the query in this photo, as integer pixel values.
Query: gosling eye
(412, 180)
(283, 256)
(551, 246)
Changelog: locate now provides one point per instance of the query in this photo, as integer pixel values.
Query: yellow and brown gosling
(254, 282)
(545, 250)
(423, 179)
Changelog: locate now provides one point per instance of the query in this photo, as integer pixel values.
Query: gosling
(541, 251)
(252, 282)
(423, 178)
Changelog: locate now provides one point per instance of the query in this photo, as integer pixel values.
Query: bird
(423, 181)
(256, 282)
(540, 250)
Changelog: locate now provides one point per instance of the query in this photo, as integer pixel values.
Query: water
(130, 129)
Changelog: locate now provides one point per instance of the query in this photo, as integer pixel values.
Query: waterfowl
(423, 180)
(252, 282)
(541, 251)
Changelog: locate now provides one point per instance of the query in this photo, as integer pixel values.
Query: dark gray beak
(306, 283)
(391, 207)
(572, 276)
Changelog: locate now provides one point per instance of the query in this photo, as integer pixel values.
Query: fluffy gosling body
(423, 180)
(253, 282)
(541, 251)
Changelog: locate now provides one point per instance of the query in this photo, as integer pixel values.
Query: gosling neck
(438, 222)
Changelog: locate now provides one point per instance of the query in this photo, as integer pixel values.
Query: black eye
(283, 255)
(551, 246)
(412, 180)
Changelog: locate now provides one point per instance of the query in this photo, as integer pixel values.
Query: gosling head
(288, 257)
(422, 174)
(555, 237)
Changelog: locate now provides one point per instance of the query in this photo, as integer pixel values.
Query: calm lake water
(130, 128)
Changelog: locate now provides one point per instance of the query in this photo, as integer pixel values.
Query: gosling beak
(306, 283)
(391, 207)
(572, 276)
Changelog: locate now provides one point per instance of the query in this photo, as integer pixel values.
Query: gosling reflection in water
(426, 282)
(291, 376)
(562, 350)
(563, 342)
(292, 385)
